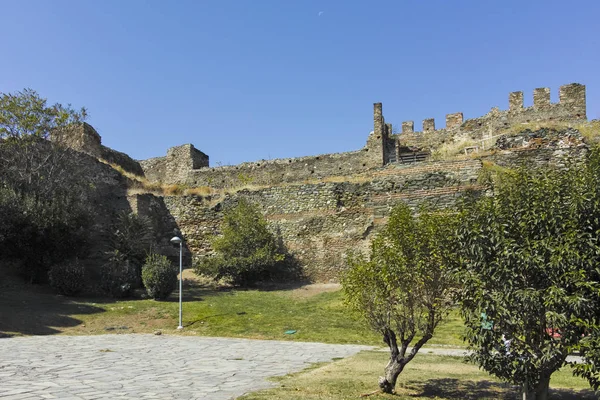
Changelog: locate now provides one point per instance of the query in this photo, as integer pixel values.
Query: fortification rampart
(186, 165)
(320, 222)
(85, 139)
(571, 107)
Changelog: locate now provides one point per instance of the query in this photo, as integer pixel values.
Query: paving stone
(150, 366)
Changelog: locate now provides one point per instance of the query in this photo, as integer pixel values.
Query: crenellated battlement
(570, 107)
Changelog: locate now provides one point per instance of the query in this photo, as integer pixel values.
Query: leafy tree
(43, 190)
(247, 251)
(25, 114)
(403, 290)
(530, 277)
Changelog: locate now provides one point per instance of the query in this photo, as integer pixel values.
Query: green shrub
(68, 277)
(119, 276)
(247, 252)
(159, 276)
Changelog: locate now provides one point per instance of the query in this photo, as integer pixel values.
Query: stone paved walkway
(150, 367)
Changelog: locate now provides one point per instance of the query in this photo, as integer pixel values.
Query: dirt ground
(190, 279)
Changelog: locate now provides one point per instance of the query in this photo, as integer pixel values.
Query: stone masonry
(323, 206)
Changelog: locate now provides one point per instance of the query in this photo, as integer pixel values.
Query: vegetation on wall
(247, 251)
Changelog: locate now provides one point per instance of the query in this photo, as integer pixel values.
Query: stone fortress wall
(321, 220)
(570, 108)
(187, 165)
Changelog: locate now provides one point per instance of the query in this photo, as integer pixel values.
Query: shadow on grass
(448, 388)
(38, 311)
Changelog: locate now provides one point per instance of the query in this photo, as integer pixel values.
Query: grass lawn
(316, 313)
(426, 377)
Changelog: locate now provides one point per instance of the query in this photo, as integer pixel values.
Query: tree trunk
(387, 383)
(541, 391)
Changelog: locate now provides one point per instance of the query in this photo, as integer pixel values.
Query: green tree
(25, 114)
(530, 277)
(43, 189)
(403, 290)
(247, 251)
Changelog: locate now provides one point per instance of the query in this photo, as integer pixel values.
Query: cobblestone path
(163, 367)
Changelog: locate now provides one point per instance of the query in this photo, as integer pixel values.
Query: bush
(159, 276)
(67, 278)
(247, 252)
(119, 276)
(132, 238)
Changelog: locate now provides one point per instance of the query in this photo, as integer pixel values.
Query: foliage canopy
(530, 277)
(403, 290)
(43, 188)
(247, 251)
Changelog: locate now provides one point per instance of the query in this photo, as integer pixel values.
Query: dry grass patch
(426, 377)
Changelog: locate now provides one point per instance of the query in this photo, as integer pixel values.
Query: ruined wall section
(154, 168)
(280, 171)
(320, 222)
(80, 137)
(186, 165)
(85, 139)
(571, 107)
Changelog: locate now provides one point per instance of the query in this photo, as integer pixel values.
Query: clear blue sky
(246, 80)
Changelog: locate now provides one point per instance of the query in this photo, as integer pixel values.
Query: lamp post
(179, 241)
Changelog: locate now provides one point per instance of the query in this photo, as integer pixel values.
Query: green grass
(258, 314)
(316, 316)
(426, 377)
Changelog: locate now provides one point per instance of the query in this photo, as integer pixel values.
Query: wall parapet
(187, 165)
(570, 107)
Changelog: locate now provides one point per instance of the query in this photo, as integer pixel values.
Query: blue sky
(245, 80)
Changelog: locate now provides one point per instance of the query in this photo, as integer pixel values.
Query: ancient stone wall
(154, 168)
(571, 107)
(186, 165)
(320, 219)
(85, 139)
(177, 167)
(320, 222)
(122, 160)
(80, 137)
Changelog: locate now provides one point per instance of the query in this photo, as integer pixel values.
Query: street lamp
(177, 240)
